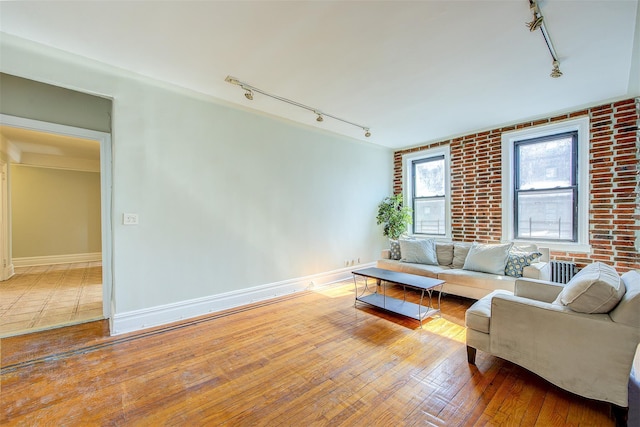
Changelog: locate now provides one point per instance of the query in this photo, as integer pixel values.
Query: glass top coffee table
(384, 278)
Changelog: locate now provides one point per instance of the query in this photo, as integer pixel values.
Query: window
(545, 186)
(546, 190)
(426, 187)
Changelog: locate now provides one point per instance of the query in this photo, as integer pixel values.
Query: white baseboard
(56, 259)
(155, 316)
(7, 272)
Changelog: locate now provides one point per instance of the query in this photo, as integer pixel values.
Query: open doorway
(55, 233)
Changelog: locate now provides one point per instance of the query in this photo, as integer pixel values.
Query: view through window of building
(428, 177)
(546, 190)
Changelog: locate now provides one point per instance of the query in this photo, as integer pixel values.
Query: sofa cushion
(444, 253)
(597, 288)
(517, 261)
(460, 251)
(394, 249)
(421, 251)
(478, 316)
(628, 309)
(487, 258)
(475, 279)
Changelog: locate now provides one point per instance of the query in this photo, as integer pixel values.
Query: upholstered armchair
(581, 336)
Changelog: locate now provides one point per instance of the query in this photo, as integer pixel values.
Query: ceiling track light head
(319, 118)
(555, 73)
(248, 93)
(535, 23)
(367, 133)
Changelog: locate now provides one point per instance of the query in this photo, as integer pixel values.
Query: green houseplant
(394, 216)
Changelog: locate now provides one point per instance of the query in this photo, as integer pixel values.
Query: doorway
(62, 152)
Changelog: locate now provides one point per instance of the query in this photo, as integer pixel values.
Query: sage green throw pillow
(487, 258)
(420, 251)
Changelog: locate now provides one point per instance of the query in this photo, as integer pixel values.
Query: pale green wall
(54, 212)
(227, 199)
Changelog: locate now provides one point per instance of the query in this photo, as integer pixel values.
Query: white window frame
(508, 142)
(407, 184)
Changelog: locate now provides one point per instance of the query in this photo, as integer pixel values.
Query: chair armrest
(587, 354)
(385, 254)
(539, 290)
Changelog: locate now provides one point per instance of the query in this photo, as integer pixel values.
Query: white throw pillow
(487, 258)
(420, 251)
(597, 288)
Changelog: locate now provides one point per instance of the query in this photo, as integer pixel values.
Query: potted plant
(394, 216)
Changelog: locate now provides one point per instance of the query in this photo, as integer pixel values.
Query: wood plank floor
(309, 359)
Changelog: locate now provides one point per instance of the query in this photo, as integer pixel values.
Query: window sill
(558, 246)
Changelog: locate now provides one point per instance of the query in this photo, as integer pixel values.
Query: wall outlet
(130, 219)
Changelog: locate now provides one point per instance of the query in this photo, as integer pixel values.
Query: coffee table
(400, 306)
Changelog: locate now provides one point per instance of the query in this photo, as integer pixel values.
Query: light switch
(130, 218)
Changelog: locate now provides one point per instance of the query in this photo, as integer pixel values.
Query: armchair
(587, 354)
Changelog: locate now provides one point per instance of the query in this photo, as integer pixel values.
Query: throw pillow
(517, 261)
(460, 251)
(487, 258)
(627, 309)
(394, 249)
(444, 252)
(597, 288)
(421, 251)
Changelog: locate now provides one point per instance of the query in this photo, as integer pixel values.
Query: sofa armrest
(538, 270)
(385, 254)
(540, 290)
(587, 354)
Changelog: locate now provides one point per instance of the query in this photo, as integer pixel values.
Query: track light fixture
(249, 90)
(538, 23)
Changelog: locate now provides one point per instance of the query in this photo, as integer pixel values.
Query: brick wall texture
(614, 213)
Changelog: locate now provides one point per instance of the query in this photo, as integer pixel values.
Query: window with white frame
(545, 188)
(426, 184)
(545, 185)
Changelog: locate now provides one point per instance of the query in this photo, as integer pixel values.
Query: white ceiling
(33, 148)
(412, 71)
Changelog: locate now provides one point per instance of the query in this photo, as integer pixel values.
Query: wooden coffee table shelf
(400, 306)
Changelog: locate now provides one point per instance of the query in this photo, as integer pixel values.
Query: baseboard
(155, 316)
(56, 259)
(7, 272)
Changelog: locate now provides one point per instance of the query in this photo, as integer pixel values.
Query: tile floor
(48, 296)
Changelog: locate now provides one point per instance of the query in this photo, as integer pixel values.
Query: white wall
(227, 199)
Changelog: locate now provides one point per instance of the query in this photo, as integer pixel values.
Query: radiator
(562, 271)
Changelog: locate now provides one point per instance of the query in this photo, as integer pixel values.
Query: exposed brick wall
(614, 215)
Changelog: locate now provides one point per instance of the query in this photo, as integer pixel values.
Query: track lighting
(538, 23)
(249, 90)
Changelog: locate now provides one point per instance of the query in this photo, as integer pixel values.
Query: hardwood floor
(306, 359)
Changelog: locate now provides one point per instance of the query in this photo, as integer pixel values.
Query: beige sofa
(588, 352)
(451, 257)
